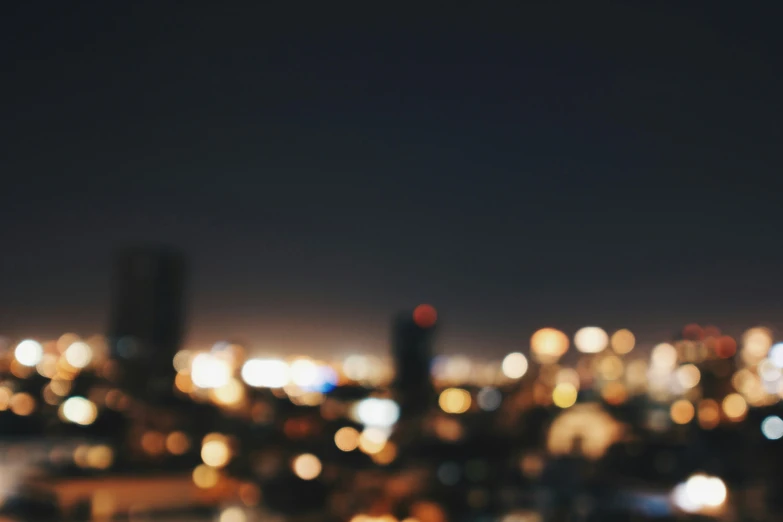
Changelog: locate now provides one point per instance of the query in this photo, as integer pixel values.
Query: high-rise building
(147, 315)
(412, 336)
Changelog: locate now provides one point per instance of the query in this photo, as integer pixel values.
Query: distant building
(412, 336)
(147, 315)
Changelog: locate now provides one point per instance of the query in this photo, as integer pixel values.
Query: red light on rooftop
(425, 316)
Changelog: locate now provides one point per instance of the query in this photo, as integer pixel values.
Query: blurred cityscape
(131, 425)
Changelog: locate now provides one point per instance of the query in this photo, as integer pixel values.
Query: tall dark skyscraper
(412, 336)
(147, 316)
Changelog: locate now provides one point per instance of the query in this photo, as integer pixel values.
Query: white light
(700, 492)
(715, 492)
(683, 501)
(776, 355)
(772, 427)
(768, 371)
(28, 352)
(208, 371)
(304, 373)
(377, 413)
(514, 365)
(591, 339)
(79, 411)
(78, 354)
(266, 373)
(664, 357)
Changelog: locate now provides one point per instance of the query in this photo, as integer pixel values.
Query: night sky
(535, 167)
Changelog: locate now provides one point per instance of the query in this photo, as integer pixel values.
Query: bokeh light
(374, 412)
(623, 341)
(688, 375)
(215, 453)
(514, 365)
(564, 395)
(205, 477)
(266, 373)
(346, 439)
(591, 339)
(425, 316)
(79, 410)
(548, 344)
(306, 466)
(454, 400)
(735, 407)
(78, 354)
(682, 411)
(772, 427)
(209, 371)
(28, 353)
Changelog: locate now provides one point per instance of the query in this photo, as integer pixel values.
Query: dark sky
(570, 165)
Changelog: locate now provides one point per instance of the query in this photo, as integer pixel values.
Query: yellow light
(734, 406)
(78, 354)
(688, 375)
(564, 395)
(205, 477)
(514, 365)
(346, 439)
(233, 514)
(177, 443)
(623, 341)
(79, 410)
(372, 440)
(548, 345)
(215, 453)
(454, 400)
(682, 412)
(591, 339)
(307, 466)
(22, 404)
(100, 457)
